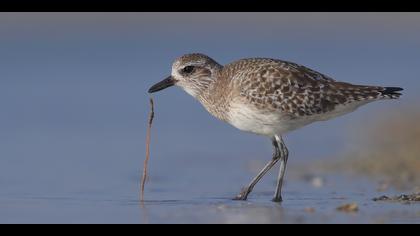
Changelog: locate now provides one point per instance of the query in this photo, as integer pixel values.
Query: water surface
(74, 108)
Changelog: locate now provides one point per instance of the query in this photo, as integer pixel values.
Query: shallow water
(74, 110)
(190, 207)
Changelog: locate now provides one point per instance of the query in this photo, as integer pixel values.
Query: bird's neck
(213, 98)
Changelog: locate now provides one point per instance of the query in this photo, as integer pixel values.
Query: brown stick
(146, 161)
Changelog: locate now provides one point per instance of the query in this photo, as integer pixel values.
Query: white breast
(249, 118)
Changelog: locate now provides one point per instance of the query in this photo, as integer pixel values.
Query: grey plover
(268, 97)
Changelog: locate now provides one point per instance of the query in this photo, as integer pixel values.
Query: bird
(268, 97)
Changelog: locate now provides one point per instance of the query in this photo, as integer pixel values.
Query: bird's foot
(277, 199)
(243, 196)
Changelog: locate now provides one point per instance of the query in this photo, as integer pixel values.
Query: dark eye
(188, 69)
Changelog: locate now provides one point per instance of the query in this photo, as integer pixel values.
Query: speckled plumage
(268, 96)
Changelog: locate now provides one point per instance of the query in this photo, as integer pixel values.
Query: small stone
(381, 198)
(351, 207)
(404, 197)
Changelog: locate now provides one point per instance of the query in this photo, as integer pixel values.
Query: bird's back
(277, 91)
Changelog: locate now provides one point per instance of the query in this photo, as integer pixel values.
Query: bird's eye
(188, 69)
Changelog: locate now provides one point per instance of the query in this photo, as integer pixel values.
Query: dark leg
(283, 161)
(276, 157)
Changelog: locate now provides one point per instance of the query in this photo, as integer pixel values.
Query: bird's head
(192, 72)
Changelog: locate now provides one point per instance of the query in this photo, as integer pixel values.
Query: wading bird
(268, 97)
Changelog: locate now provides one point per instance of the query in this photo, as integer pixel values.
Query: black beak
(168, 82)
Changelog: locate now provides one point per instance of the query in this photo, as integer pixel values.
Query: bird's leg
(276, 157)
(283, 161)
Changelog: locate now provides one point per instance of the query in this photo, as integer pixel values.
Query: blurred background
(74, 103)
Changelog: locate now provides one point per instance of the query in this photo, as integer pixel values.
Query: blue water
(74, 104)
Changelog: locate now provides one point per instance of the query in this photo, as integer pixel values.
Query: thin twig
(146, 161)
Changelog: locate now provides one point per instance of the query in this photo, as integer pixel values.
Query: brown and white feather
(269, 96)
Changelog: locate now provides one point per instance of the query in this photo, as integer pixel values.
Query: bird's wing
(298, 90)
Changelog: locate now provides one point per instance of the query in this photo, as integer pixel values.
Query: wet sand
(74, 108)
(304, 202)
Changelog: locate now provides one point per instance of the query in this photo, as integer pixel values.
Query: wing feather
(290, 88)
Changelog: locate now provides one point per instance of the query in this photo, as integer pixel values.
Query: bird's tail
(391, 92)
(360, 92)
(367, 93)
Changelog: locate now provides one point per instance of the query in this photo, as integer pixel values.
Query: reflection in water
(144, 214)
(301, 195)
